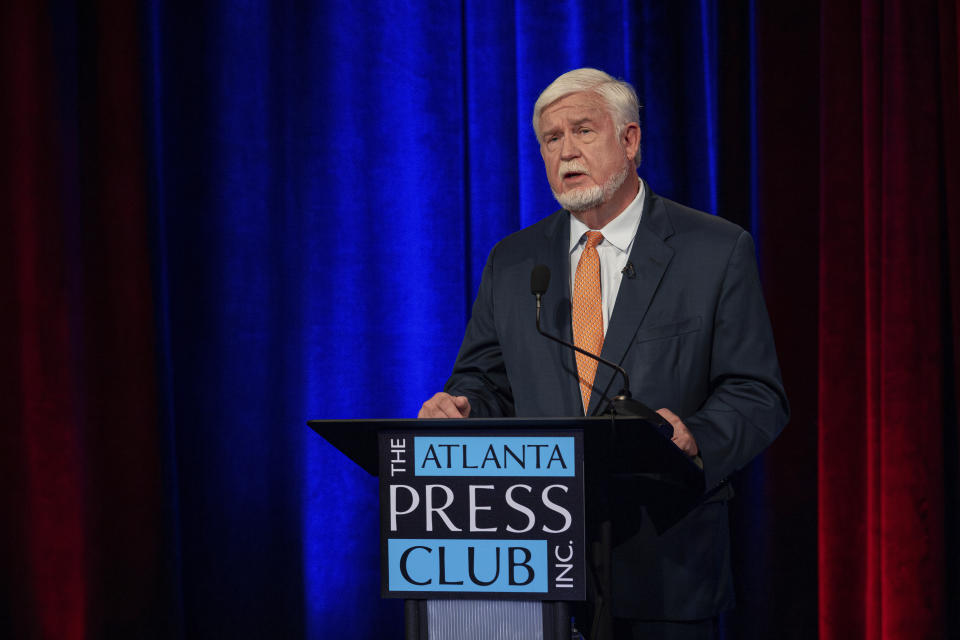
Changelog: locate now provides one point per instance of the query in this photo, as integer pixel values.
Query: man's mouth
(571, 171)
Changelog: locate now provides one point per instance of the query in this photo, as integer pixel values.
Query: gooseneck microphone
(539, 282)
(622, 404)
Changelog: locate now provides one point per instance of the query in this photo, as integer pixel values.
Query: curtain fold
(884, 426)
(85, 513)
(949, 80)
(45, 584)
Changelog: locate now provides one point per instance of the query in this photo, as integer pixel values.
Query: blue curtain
(326, 181)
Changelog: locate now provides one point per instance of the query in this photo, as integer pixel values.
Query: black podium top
(616, 446)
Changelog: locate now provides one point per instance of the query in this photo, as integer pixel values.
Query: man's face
(586, 163)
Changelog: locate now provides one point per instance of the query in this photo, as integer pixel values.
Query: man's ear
(630, 139)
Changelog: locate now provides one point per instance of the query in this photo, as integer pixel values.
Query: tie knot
(593, 239)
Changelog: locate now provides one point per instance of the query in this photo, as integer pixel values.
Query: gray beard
(585, 198)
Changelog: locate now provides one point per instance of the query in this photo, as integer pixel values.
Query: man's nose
(569, 148)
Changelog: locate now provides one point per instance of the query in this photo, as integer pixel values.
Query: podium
(491, 527)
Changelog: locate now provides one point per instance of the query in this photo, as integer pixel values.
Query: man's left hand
(681, 435)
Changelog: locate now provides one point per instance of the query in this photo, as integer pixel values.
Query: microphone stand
(622, 404)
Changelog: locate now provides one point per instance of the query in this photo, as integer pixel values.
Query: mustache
(571, 166)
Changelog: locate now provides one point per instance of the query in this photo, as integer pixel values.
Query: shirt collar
(620, 231)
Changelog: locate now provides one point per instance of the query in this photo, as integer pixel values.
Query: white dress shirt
(614, 251)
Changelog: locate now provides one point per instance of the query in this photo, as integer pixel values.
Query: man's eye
(585, 130)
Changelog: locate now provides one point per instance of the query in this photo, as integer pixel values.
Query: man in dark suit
(671, 294)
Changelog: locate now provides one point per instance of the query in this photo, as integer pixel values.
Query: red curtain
(45, 555)
(888, 296)
(82, 547)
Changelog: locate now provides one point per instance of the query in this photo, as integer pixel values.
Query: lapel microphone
(629, 271)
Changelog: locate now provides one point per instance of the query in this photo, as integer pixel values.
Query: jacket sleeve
(480, 373)
(747, 405)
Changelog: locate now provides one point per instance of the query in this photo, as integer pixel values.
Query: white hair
(619, 96)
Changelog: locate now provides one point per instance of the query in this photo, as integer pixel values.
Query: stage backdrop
(221, 220)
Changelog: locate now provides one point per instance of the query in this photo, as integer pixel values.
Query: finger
(448, 407)
(686, 442)
(681, 435)
(436, 410)
(682, 441)
(441, 405)
(431, 408)
(686, 445)
(462, 404)
(427, 410)
(669, 416)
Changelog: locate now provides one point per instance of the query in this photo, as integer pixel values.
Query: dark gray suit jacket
(692, 330)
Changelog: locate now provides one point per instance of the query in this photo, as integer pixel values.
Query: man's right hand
(444, 405)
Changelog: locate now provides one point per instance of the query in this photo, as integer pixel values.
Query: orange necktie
(588, 313)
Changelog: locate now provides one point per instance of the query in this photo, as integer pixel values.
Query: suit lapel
(556, 318)
(650, 257)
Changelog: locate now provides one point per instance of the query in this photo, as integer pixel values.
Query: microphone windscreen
(539, 279)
